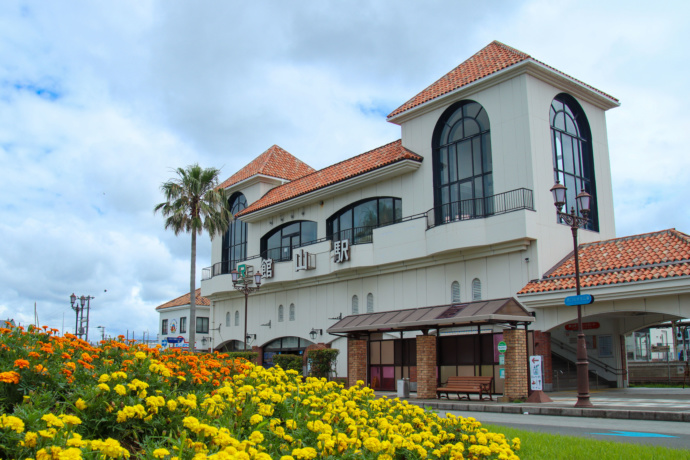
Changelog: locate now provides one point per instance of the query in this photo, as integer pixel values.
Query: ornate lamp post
(244, 285)
(583, 203)
(78, 308)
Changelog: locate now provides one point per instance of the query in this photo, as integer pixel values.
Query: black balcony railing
(479, 208)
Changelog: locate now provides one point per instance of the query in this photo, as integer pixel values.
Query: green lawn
(536, 446)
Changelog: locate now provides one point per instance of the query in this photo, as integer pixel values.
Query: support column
(517, 377)
(357, 361)
(260, 355)
(426, 367)
(542, 346)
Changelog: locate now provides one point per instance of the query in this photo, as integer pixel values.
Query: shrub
(248, 355)
(288, 362)
(322, 361)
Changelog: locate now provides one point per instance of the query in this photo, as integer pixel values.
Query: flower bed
(63, 399)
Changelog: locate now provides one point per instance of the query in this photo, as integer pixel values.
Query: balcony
(480, 208)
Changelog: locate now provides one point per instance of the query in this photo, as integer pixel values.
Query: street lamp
(314, 332)
(102, 328)
(244, 285)
(78, 307)
(583, 203)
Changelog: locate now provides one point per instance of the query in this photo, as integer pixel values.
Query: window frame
(284, 253)
(355, 305)
(164, 327)
(233, 251)
(336, 231)
(281, 313)
(291, 314)
(450, 204)
(204, 321)
(183, 325)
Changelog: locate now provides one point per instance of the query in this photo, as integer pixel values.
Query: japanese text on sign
(535, 370)
(342, 251)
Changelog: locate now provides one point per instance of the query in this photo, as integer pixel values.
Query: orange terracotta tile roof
(490, 59)
(649, 256)
(347, 169)
(184, 300)
(274, 162)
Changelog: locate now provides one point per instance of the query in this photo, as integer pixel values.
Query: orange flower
(9, 377)
(40, 369)
(33, 354)
(21, 363)
(65, 356)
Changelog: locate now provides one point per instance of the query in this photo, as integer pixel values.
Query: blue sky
(99, 101)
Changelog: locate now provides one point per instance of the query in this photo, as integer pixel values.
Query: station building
(416, 258)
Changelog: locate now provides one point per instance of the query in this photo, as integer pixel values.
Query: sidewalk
(665, 404)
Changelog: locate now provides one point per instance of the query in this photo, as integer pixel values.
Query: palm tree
(195, 203)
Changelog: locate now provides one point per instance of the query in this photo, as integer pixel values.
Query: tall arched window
(455, 292)
(355, 305)
(237, 317)
(235, 239)
(227, 319)
(370, 303)
(292, 312)
(573, 162)
(476, 289)
(280, 313)
(462, 163)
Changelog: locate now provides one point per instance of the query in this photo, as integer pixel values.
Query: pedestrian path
(669, 404)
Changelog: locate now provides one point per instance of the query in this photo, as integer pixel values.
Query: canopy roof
(494, 311)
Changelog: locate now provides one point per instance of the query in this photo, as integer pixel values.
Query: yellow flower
(161, 453)
(255, 419)
(121, 390)
(29, 439)
(104, 386)
(12, 422)
(103, 378)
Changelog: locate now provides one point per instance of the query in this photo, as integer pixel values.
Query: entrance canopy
(496, 311)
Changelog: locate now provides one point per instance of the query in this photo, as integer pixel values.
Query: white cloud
(100, 101)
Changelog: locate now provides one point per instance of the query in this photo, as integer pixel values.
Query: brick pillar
(357, 361)
(516, 365)
(426, 367)
(260, 357)
(542, 346)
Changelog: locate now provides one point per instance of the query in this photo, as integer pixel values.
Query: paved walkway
(667, 404)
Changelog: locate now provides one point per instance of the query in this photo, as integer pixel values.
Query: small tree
(288, 362)
(193, 203)
(322, 361)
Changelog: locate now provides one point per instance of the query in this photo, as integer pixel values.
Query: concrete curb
(666, 416)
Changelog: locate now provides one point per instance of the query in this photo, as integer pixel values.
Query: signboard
(501, 359)
(175, 339)
(582, 299)
(173, 326)
(585, 326)
(342, 251)
(267, 268)
(535, 371)
(501, 373)
(502, 347)
(164, 342)
(304, 260)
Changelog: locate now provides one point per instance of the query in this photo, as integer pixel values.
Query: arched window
(292, 312)
(227, 319)
(279, 243)
(462, 163)
(476, 289)
(370, 303)
(355, 305)
(573, 162)
(237, 317)
(357, 221)
(235, 239)
(455, 292)
(280, 313)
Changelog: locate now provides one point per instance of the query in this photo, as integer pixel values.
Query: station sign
(582, 299)
(585, 326)
(535, 371)
(502, 347)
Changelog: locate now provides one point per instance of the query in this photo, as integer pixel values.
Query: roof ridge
(510, 48)
(628, 238)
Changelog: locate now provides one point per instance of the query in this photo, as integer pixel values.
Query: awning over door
(496, 311)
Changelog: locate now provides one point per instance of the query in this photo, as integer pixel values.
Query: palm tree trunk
(192, 297)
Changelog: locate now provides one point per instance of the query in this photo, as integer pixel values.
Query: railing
(592, 360)
(477, 208)
(501, 203)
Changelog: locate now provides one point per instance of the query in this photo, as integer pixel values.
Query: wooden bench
(467, 385)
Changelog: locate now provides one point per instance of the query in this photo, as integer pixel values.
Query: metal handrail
(501, 203)
(477, 208)
(591, 359)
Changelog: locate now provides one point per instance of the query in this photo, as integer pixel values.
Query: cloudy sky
(99, 101)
